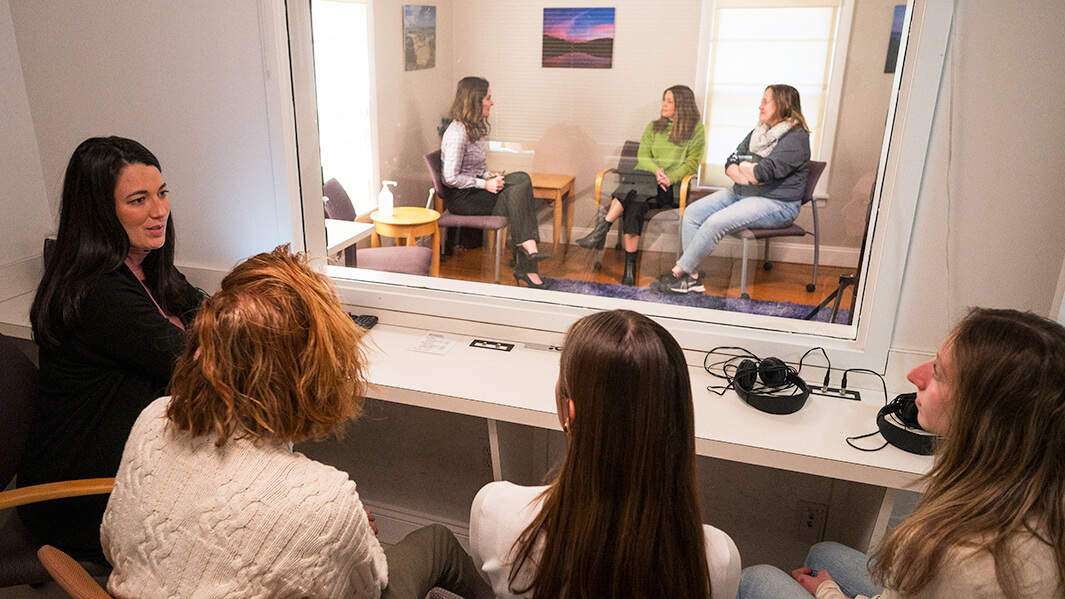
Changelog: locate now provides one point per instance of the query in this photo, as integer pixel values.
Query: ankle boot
(597, 238)
(629, 277)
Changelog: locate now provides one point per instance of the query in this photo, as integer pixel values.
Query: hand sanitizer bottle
(384, 199)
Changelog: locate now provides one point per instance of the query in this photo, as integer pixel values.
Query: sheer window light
(777, 41)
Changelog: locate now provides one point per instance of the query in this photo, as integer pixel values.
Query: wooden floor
(786, 282)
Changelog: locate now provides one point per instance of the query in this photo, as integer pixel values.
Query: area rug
(697, 300)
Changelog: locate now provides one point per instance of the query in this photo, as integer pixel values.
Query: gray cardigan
(783, 171)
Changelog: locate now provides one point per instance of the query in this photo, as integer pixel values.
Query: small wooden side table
(406, 224)
(559, 189)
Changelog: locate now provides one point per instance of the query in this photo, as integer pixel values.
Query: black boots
(629, 276)
(597, 238)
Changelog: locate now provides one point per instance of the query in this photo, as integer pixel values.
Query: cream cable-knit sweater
(188, 519)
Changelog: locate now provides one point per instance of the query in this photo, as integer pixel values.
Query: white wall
(410, 103)
(25, 218)
(989, 217)
(186, 79)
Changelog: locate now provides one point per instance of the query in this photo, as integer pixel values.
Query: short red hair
(271, 356)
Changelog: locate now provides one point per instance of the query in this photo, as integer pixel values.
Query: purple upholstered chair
(443, 193)
(792, 230)
(411, 260)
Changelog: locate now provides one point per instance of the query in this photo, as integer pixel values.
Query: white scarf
(764, 138)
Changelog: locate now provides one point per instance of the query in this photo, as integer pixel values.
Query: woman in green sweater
(671, 148)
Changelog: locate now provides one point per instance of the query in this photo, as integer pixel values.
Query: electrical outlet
(810, 524)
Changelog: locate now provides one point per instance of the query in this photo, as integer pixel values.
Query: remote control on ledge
(365, 321)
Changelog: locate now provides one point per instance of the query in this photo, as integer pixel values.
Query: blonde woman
(992, 522)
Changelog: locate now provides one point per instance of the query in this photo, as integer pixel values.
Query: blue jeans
(709, 219)
(848, 567)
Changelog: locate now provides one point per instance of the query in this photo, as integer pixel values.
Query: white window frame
(452, 305)
(833, 91)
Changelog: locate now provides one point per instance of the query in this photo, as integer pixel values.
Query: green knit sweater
(657, 152)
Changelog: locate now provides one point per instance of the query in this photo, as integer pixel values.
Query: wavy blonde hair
(1000, 470)
(272, 356)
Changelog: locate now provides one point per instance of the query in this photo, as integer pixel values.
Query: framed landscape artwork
(578, 38)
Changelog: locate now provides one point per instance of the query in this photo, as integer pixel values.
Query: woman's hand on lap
(810, 582)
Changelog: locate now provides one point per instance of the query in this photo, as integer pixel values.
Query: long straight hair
(1000, 470)
(685, 115)
(92, 242)
(467, 108)
(622, 519)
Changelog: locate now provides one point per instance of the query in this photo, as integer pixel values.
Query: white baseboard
(394, 523)
(654, 239)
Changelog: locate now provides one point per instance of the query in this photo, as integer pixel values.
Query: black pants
(515, 202)
(637, 199)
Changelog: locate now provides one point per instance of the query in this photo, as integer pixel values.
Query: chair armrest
(599, 183)
(59, 490)
(69, 574)
(685, 187)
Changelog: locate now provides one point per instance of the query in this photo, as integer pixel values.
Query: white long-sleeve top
(502, 510)
(189, 519)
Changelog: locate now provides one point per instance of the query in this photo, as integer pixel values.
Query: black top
(94, 384)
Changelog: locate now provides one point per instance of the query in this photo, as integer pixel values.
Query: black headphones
(898, 424)
(780, 391)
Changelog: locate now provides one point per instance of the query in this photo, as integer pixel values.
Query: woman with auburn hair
(109, 320)
(768, 169)
(622, 518)
(211, 500)
(671, 148)
(464, 152)
(992, 522)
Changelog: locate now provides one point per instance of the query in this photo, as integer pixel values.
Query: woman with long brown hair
(768, 170)
(671, 148)
(622, 518)
(464, 152)
(210, 498)
(992, 522)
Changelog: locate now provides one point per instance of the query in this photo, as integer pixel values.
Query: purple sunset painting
(578, 38)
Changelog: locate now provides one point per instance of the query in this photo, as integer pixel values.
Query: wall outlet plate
(810, 522)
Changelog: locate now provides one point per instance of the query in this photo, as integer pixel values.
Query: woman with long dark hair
(671, 148)
(768, 170)
(109, 319)
(464, 152)
(992, 522)
(622, 518)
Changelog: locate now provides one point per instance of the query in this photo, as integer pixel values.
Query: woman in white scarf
(769, 171)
